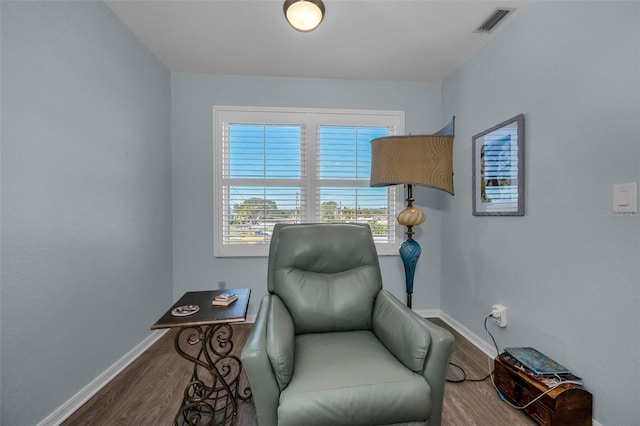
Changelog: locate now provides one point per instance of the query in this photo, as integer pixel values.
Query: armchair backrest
(327, 275)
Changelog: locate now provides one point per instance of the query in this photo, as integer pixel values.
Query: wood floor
(149, 391)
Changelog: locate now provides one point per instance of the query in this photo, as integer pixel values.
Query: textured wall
(86, 201)
(568, 271)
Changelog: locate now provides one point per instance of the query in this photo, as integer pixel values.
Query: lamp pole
(410, 249)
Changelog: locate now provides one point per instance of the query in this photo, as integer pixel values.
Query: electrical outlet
(499, 315)
(222, 285)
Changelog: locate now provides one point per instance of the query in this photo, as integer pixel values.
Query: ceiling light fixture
(304, 15)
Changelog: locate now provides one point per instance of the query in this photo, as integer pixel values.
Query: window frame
(310, 118)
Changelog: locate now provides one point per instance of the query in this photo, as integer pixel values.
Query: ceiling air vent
(493, 20)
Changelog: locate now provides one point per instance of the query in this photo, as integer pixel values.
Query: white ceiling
(401, 40)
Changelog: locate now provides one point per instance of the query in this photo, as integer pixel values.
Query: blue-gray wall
(193, 99)
(90, 119)
(568, 271)
(86, 200)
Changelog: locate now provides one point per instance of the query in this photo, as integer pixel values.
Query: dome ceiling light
(304, 15)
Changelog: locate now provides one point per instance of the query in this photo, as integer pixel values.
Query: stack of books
(224, 299)
(537, 366)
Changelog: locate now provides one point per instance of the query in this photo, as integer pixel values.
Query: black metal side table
(205, 338)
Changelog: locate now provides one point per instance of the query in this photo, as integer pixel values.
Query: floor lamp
(425, 160)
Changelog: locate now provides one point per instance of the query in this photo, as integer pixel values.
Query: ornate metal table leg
(210, 398)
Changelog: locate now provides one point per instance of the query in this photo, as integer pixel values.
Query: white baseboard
(428, 313)
(464, 331)
(477, 341)
(76, 401)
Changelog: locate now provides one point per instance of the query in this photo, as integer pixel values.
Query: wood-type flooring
(149, 390)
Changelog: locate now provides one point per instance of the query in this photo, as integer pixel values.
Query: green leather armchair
(331, 347)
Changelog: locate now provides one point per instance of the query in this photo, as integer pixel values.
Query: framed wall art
(498, 169)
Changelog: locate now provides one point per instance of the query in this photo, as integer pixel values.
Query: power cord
(464, 373)
(522, 407)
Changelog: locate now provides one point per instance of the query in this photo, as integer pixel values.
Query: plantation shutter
(342, 171)
(297, 166)
(263, 174)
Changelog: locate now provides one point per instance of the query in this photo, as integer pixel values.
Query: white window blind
(293, 166)
(342, 173)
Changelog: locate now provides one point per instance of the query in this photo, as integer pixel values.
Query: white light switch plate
(625, 197)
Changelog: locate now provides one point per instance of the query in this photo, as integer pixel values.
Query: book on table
(548, 380)
(224, 299)
(536, 361)
(225, 296)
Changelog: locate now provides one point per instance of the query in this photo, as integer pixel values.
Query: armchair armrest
(401, 333)
(419, 344)
(263, 382)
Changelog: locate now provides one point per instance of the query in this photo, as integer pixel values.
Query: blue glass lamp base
(410, 253)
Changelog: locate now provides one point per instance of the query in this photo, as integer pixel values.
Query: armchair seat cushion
(350, 378)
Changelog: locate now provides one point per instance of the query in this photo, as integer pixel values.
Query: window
(298, 166)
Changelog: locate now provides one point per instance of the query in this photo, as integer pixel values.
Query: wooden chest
(568, 404)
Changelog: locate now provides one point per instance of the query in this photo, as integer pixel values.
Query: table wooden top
(208, 313)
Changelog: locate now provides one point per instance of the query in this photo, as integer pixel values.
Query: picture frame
(498, 169)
